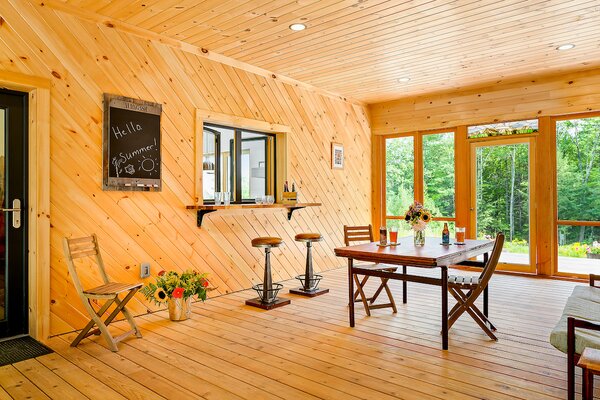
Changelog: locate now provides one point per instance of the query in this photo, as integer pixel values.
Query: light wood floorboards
(307, 351)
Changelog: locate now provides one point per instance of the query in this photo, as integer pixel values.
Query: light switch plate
(144, 270)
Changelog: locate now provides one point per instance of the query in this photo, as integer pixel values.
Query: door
(13, 218)
(501, 198)
(578, 188)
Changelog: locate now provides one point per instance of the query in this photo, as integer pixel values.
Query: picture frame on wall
(337, 156)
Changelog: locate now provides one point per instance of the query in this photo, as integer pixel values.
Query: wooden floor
(307, 351)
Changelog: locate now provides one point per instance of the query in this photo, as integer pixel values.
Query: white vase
(180, 309)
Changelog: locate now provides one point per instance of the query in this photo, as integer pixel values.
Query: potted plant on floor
(177, 289)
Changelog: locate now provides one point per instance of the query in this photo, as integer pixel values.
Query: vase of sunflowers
(418, 218)
(177, 289)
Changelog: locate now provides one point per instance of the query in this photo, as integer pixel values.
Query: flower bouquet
(177, 290)
(418, 218)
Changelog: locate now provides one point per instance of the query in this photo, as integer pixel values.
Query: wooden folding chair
(365, 234)
(466, 290)
(109, 291)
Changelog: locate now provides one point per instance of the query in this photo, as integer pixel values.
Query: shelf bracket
(291, 210)
(200, 214)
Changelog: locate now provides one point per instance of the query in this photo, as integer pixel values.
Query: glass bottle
(446, 234)
(383, 236)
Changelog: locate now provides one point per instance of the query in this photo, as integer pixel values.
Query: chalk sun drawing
(148, 164)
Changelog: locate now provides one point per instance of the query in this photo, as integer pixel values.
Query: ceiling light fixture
(567, 46)
(297, 27)
(404, 80)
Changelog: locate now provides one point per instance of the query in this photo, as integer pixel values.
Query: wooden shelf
(202, 210)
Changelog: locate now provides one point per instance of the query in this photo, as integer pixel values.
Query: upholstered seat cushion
(308, 237)
(267, 242)
(580, 306)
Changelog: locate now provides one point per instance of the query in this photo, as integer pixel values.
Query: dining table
(432, 255)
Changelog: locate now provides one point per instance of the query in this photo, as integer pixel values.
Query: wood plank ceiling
(360, 48)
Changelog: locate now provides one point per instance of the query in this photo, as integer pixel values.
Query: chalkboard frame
(126, 183)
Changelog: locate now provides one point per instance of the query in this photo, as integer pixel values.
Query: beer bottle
(445, 234)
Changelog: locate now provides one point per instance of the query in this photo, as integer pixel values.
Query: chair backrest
(358, 234)
(83, 247)
(492, 263)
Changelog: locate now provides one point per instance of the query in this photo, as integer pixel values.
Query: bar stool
(309, 281)
(267, 291)
(590, 366)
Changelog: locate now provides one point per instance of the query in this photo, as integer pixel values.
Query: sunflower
(425, 217)
(160, 295)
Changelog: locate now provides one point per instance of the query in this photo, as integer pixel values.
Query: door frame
(555, 221)
(529, 140)
(38, 242)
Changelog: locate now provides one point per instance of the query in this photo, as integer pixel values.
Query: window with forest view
(437, 170)
(578, 187)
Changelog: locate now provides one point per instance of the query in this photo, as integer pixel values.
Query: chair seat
(308, 237)
(112, 288)
(464, 281)
(267, 242)
(377, 267)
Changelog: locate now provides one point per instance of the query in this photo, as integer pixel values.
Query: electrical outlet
(144, 270)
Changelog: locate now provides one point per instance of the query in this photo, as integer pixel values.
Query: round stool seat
(308, 237)
(267, 242)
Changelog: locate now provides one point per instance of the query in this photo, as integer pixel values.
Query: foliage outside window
(503, 129)
(237, 161)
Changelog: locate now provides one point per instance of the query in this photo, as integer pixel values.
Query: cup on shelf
(226, 198)
(259, 199)
(218, 197)
(269, 199)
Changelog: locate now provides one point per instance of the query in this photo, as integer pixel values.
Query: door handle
(16, 213)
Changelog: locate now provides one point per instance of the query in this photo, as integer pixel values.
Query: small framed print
(337, 156)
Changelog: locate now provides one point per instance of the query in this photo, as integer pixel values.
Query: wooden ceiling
(359, 48)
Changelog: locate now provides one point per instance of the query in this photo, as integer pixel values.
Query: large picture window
(427, 178)
(239, 162)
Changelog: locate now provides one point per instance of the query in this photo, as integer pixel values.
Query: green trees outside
(578, 178)
(502, 184)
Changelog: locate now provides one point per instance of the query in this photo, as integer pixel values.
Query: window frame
(235, 161)
(418, 175)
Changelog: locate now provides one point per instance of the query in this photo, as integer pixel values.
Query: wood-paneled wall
(84, 59)
(504, 100)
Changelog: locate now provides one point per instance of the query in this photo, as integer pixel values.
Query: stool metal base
(309, 293)
(256, 302)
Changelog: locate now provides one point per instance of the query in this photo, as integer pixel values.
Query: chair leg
(93, 321)
(361, 284)
(481, 324)
(377, 292)
(404, 287)
(362, 295)
(103, 328)
(483, 317)
(121, 306)
(390, 296)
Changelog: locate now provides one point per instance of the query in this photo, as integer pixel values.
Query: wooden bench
(582, 312)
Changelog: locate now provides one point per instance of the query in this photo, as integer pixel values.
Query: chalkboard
(131, 144)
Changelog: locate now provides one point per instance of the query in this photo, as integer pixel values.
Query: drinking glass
(269, 199)
(218, 197)
(226, 198)
(259, 200)
(393, 235)
(460, 235)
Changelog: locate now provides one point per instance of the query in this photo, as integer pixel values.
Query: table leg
(404, 285)
(444, 307)
(350, 293)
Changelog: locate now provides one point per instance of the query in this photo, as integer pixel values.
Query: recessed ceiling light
(404, 79)
(567, 46)
(297, 27)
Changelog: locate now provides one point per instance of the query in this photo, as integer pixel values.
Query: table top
(432, 254)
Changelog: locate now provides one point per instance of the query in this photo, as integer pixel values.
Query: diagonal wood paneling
(84, 60)
(360, 48)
